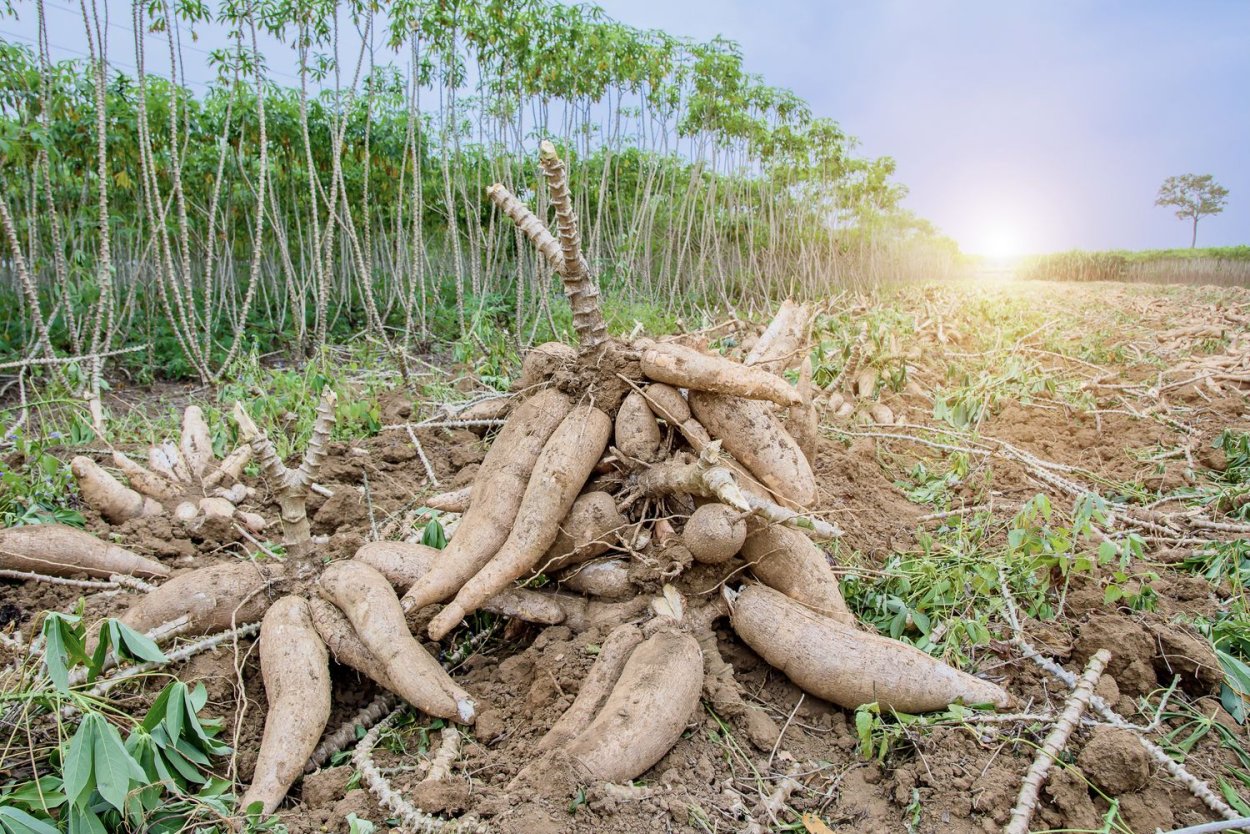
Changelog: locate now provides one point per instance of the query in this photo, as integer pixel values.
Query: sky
(1018, 127)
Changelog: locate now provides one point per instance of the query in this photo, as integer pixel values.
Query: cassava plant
(600, 450)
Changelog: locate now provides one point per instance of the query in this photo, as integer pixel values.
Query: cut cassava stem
(502, 481)
(1073, 709)
(291, 486)
(579, 286)
(296, 670)
(562, 468)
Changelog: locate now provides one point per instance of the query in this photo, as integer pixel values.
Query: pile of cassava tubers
(629, 487)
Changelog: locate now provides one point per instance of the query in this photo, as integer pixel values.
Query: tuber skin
(603, 675)
(783, 343)
(214, 598)
(541, 361)
(787, 561)
(688, 368)
(453, 501)
(296, 670)
(196, 443)
(562, 469)
(848, 667)
(364, 595)
(714, 534)
(753, 435)
(403, 563)
(604, 578)
(115, 501)
(501, 482)
(637, 432)
(586, 532)
(646, 712)
(58, 550)
(146, 481)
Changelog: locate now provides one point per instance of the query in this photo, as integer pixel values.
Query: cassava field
(1016, 480)
(490, 416)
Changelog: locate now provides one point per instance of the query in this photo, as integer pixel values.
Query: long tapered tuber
(646, 712)
(296, 670)
(787, 561)
(57, 550)
(595, 689)
(561, 471)
(686, 367)
(214, 598)
(755, 437)
(848, 667)
(364, 595)
(500, 485)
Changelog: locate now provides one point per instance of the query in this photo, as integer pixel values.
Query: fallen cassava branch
(1055, 741)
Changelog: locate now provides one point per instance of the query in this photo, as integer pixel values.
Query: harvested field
(1013, 467)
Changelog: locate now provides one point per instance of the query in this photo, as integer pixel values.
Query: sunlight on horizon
(996, 240)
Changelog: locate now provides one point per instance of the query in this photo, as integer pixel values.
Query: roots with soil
(676, 458)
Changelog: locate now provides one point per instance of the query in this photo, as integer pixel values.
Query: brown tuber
(788, 561)
(637, 433)
(57, 550)
(755, 437)
(562, 469)
(848, 667)
(688, 368)
(501, 482)
(714, 533)
(296, 670)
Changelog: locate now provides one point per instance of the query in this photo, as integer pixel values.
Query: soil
(949, 779)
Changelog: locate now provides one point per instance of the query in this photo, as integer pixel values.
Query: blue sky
(1033, 126)
(1021, 125)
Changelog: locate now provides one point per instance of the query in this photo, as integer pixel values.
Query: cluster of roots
(182, 480)
(644, 489)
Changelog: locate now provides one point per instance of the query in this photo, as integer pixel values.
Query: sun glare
(997, 242)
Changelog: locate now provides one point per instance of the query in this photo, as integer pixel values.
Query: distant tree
(1193, 196)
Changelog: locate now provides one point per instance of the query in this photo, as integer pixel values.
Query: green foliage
(1224, 265)
(36, 487)
(156, 779)
(433, 535)
(65, 647)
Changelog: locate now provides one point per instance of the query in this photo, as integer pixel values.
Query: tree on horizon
(1193, 196)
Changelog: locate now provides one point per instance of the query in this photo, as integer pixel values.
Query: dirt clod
(1115, 761)
(1131, 649)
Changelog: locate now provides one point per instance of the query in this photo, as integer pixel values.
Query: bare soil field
(1023, 474)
